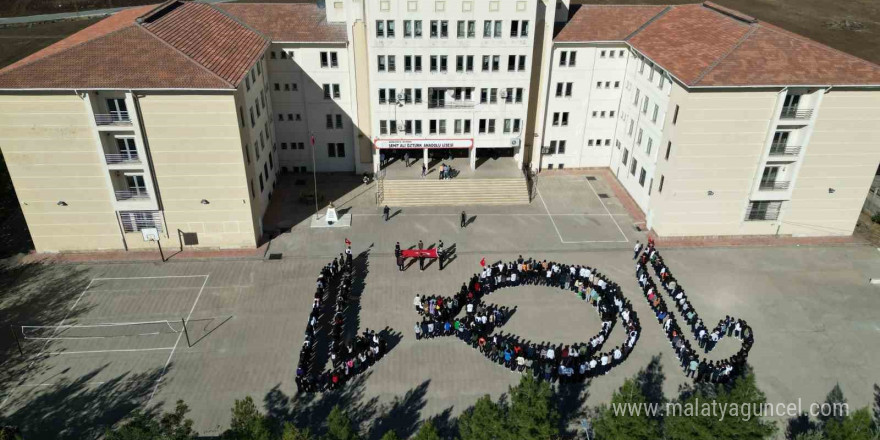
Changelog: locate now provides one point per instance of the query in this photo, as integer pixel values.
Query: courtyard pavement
(812, 309)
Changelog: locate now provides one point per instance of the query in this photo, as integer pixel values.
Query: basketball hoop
(150, 234)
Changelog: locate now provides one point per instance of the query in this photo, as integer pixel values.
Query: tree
(697, 421)
(339, 426)
(486, 419)
(532, 414)
(142, 426)
(247, 422)
(855, 426)
(290, 432)
(628, 416)
(427, 432)
(835, 402)
(390, 435)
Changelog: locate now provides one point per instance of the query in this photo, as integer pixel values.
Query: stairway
(456, 192)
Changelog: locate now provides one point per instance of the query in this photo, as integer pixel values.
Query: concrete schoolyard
(811, 307)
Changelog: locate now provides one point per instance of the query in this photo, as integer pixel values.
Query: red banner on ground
(415, 253)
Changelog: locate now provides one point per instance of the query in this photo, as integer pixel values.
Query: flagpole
(314, 172)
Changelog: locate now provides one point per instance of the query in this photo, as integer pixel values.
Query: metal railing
(132, 195)
(784, 150)
(112, 118)
(763, 211)
(795, 113)
(451, 104)
(121, 158)
(779, 185)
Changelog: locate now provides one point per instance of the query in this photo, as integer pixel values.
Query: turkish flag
(419, 253)
(483, 262)
(347, 242)
(312, 140)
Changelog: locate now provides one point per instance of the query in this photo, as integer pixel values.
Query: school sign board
(418, 144)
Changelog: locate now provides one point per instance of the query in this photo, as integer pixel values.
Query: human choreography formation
(348, 358)
(552, 362)
(691, 363)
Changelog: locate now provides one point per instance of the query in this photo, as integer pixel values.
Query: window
(272, 56)
(631, 127)
(338, 121)
(648, 148)
(568, 87)
(645, 106)
(675, 115)
(487, 29)
(331, 150)
(432, 126)
(563, 59)
(247, 83)
(602, 54)
(240, 116)
(642, 175)
(636, 99)
(407, 29)
(498, 25)
(380, 29)
(471, 29)
(324, 59)
(556, 119)
(511, 63)
(328, 93)
(381, 63)
(418, 63)
(261, 183)
(560, 149)
(392, 126)
(284, 145)
(496, 61)
(444, 29)
(460, 29)
(383, 127)
(418, 124)
(251, 110)
(508, 125)
(330, 121)
(552, 149)
(519, 29)
(519, 95)
(280, 116)
(624, 157)
(514, 29)
(564, 119)
(283, 54)
(559, 89)
(639, 137)
(633, 166)
(660, 188)
(407, 63)
(616, 84)
(668, 149)
(517, 125)
(389, 28)
(521, 65)
(611, 114)
(392, 65)
(763, 210)
(656, 111)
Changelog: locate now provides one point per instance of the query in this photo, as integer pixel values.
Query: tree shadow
(401, 415)
(569, 399)
(650, 380)
(81, 408)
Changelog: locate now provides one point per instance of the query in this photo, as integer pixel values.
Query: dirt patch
(809, 18)
(867, 229)
(17, 8)
(21, 41)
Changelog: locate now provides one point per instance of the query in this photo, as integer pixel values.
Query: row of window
(558, 146)
(464, 29)
(440, 63)
(439, 126)
(252, 75)
(329, 60)
(441, 97)
(334, 149)
(602, 113)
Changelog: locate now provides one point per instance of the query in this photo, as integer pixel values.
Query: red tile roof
(288, 21)
(606, 23)
(210, 37)
(177, 44)
(709, 45)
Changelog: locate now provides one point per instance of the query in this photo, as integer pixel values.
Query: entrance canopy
(418, 144)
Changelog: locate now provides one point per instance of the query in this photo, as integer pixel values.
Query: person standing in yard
(386, 211)
(421, 257)
(463, 219)
(440, 253)
(424, 170)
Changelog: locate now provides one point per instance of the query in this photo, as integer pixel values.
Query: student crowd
(690, 361)
(563, 362)
(348, 358)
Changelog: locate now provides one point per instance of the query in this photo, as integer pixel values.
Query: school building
(181, 116)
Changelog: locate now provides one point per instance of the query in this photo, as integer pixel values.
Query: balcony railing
(451, 104)
(132, 195)
(784, 150)
(765, 211)
(795, 113)
(121, 158)
(112, 118)
(779, 185)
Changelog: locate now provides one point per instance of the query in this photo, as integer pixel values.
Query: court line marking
(609, 212)
(66, 315)
(130, 350)
(549, 215)
(492, 215)
(179, 335)
(151, 278)
(87, 383)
